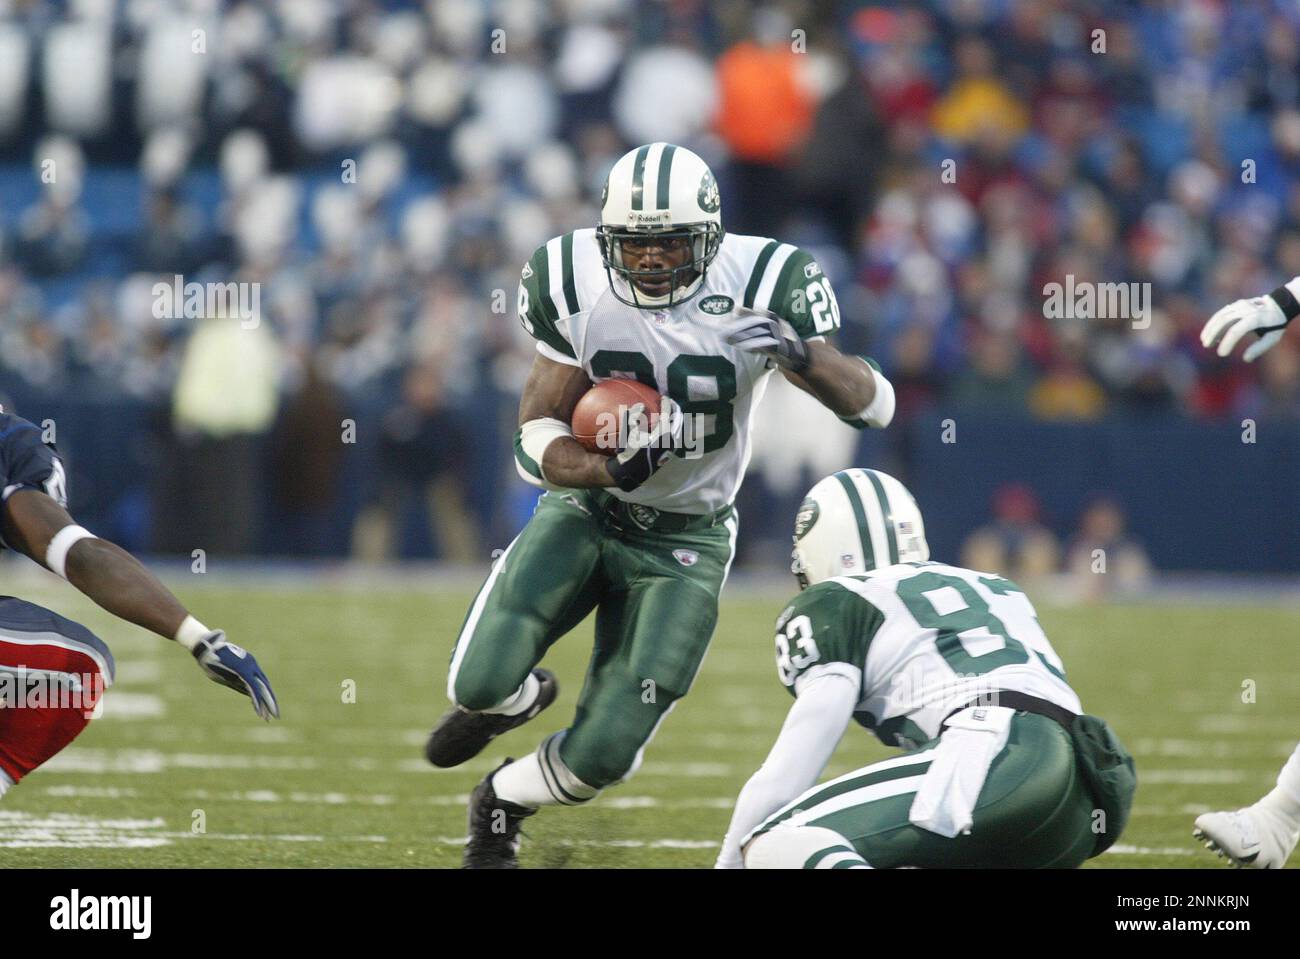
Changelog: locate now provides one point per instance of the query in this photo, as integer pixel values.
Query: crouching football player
(1262, 835)
(1003, 769)
(67, 661)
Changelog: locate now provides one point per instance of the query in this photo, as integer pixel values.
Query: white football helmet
(666, 191)
(855, 521)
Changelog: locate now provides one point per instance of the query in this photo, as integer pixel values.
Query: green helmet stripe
(756, 278)
(887, 512)
(638, 178)
(566, 268)
(665, 164)
(859, 514)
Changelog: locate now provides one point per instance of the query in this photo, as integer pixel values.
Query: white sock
(542, 779)
(1285, 797)
(520, 700)
(5, 782)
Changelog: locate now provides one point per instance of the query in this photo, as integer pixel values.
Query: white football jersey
(925, 639)
(566, 303)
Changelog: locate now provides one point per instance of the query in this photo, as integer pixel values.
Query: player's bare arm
(36, 525)
(105, 572)
(550, 394)
(851, 387)
(843, 384)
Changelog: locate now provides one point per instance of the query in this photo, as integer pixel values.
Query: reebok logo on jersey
(687, 557)
(528, 271)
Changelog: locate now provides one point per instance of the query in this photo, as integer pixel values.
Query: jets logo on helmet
(660, 225)
(855, 521)
(709, 199)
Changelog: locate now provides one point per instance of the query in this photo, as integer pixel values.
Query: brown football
(604, 407)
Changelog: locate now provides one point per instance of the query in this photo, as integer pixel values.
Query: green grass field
(340, 783)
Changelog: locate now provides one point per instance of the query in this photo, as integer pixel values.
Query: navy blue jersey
(28, 462)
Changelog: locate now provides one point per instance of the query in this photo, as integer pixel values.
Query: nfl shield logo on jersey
(687, 557)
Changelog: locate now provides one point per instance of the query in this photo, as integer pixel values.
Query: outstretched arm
(105, 572)
(809, 736)
(35, 524)
(848, 386)
(852, 388)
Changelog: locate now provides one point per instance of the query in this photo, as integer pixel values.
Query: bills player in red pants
(52, 670)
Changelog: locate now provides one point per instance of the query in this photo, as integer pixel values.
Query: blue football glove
(235, 667)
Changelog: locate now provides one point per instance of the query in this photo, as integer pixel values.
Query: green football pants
(1034, 810)
(656, 599)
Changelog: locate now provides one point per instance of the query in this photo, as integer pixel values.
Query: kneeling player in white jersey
(1262, 835)
(659, 293)
(1004, 770)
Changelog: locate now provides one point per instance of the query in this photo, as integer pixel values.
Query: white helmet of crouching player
(660, 225)
(855, 521)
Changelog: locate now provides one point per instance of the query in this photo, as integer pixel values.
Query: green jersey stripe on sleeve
(542, 267)
(537, 310)
(791, 272)
(566, 268)
(756, 278)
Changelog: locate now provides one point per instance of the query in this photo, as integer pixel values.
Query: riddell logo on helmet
(661, 218)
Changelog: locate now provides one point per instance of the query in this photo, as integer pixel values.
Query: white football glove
(760, 331)
(1259, 314)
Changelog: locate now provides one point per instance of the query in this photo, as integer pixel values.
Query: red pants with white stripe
(52, 674)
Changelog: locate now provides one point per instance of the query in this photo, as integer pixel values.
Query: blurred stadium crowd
(381, 169)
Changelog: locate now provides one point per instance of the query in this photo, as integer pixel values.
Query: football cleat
(493, 841)
(461, 735)
(1253, 837)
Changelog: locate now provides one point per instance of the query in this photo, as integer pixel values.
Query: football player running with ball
(54, 671)
(1263, 835)
(1004, 770)
(657, 292)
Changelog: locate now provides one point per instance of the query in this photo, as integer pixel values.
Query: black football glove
(646, 449)
(767, 333)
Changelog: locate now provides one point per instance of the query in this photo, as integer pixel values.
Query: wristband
(880, 411)
(56, 554)
(190, 632)
(1287, 298)
(535, 436)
